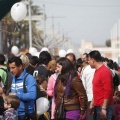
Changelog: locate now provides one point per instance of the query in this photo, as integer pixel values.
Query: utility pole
(118, 41)
(44, 24)
(59, 29)
(53, 29)
(30, 25)
(53, 24)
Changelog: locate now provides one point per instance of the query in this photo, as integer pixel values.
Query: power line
(76, 5)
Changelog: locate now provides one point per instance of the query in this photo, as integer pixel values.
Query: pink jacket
(50, 90)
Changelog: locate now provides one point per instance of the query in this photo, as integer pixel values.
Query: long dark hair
(67, 74)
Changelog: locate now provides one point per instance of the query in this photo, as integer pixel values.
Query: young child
(41, 86)
(41, 92)
(50, 92)
(11, 103)
(117, 105)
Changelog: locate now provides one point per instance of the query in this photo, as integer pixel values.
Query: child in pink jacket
(50, 90)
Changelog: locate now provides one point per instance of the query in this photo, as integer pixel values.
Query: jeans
(97, 112)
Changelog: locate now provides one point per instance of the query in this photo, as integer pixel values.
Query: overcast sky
(91, 20)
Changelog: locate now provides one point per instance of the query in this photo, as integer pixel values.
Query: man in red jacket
(102, 102)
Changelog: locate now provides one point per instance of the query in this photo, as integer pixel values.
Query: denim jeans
(97, 112)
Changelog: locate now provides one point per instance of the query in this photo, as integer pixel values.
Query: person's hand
(103, 114)
(12, 93)
(91, 109)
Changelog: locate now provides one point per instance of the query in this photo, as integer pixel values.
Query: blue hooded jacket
(30, 96)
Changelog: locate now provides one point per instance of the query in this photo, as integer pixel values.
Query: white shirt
(87, 77)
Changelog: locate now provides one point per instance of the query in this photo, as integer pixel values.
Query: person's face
(91, 62)
(15, 70)
(58, 68)
(79, 69)
(6, 105)
(84, 58)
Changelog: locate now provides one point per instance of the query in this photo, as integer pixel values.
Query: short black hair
(104, 59)
(17, 61)
(2, 59)
(110, 64)
(44, 57)
(86, 54)
(116, 66)
(28, 55)
(95, 54)
(34, 60)
(79, 63)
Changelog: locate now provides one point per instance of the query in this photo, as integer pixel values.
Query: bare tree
(56, 41)
(38, 41)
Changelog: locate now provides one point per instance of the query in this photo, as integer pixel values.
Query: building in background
(115, 40)
(109, 52)
(112, 52)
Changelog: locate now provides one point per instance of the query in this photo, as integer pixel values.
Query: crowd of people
(87, 87)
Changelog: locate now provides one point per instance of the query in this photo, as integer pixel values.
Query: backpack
(8, 80)
(4, 71)
(7, 86)
(27, 116)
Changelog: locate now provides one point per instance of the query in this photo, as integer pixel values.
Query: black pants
(28, 117)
